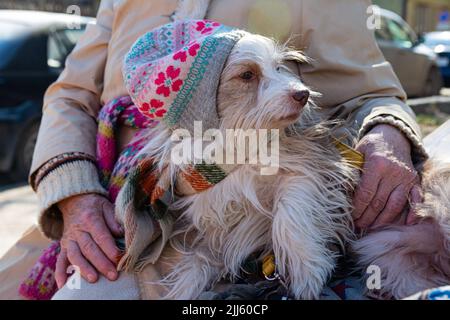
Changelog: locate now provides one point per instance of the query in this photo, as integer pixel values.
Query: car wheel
(24, 153)
(434, 83)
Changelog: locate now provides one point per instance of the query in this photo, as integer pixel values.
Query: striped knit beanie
(172, 73)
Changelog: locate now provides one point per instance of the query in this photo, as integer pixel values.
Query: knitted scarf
(114, 168)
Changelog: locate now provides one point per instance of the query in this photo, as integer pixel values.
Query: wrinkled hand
(388, 181)
(88, 242)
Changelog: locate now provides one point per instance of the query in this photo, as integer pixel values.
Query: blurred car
(415, 64)
(33, 49)
(439, 42)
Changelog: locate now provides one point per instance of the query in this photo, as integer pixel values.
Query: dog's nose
(301, 96)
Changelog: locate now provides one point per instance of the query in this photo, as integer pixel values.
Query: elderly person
(347, 68)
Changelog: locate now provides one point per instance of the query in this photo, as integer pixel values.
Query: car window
(11, 37)
(8, 48)
(400, 34)
(30, 54)
(60, 45)
(383, 32)
(73, 35)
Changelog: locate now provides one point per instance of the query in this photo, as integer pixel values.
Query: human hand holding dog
(388, 180)
(88, 242)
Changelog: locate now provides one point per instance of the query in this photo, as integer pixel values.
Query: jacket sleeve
(365, 112)
(350, 71)
(69, 126)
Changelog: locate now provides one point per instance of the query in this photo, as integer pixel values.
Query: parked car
(439, 42)
(415, 64)
(33, 49)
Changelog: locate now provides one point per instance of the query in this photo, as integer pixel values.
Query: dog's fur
(414, 258)
(304, 206)
(304, 211)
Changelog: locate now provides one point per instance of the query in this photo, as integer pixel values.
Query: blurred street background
(414, 36)
(88, 7)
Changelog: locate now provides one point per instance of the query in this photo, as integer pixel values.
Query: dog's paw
(190, 278)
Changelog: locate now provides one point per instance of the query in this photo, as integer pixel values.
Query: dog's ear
(295, 56)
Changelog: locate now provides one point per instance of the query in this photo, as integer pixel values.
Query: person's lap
(124, 288)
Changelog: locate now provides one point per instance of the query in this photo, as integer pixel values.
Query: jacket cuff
(37, 176)
(419, 154)
(65, 181)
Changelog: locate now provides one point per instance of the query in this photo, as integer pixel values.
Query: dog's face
(258, 90)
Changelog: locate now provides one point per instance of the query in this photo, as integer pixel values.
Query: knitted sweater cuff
(65, 181)
(419, 154)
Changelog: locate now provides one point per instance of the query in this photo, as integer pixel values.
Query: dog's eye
(247, 76)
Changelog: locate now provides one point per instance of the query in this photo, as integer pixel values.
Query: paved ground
(18, 209)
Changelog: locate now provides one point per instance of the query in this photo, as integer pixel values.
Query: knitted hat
(173, 73)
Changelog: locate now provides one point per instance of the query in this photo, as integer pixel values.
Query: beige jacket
(347, 68)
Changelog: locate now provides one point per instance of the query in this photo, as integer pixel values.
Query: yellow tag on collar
(268, 266)
(353, 157)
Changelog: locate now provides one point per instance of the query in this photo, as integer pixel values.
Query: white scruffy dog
(303, 213)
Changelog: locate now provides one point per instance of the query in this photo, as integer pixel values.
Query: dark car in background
(415, 64)
(439, 42)
(33, 49)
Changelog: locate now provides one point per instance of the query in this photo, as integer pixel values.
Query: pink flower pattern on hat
(207, 26)
(166, 68)
(168, 81)
(182, 55)
(154, 109)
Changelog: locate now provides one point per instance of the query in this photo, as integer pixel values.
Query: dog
(303, 213)
(411, 258)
